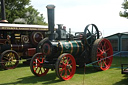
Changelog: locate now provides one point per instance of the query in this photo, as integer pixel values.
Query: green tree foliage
(34, 17)
(21, 9)
(15, 9)
(125, 7)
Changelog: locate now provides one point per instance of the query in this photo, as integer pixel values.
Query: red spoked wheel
(102, 53)
(36, 65)
(9, 59)
(65, 66)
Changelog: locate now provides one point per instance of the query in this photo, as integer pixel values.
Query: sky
(77, 14)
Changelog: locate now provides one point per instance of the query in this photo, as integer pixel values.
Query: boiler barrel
(74, 47)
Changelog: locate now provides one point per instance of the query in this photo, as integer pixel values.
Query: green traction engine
(62, 51)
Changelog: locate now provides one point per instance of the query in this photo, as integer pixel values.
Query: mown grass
(23, 76)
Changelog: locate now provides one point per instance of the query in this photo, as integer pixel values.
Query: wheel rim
(104, 53)
(66, 67)
(37, 67)
(10, 60)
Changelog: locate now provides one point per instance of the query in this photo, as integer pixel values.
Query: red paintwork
(37, 67)
(104, 50)
(67, 61)
(31, 51)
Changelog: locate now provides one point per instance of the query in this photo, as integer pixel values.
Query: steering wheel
(91, 33)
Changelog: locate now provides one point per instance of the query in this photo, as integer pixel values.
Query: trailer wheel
(101, 52)
(65, 66)
(36, 67)
(9, 59)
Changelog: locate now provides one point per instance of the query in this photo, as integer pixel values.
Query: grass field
(23, 76)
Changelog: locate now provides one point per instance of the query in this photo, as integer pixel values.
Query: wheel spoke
(105, 63)
(65, 74)
(41, 70)
(61, 66)
(38, 60)
(105, 44)
(100, 63)
(100, 50)
(88, 31)
(36, 68)
(68, 60)
(92, 29)
(10, 63)
(69, 71)
(107, 49)
(62, 69)
(5, 57)
(61, 73)
(99, 55)
(102, 47)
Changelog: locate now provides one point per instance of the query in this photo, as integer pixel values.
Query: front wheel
(36, 65)
(65, 66)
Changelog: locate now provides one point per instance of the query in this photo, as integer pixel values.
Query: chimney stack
(50, 12)
(3, 12)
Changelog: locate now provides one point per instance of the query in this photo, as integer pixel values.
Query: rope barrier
(102, 59)
(96, 65)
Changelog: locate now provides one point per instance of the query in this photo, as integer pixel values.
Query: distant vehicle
(18, 41)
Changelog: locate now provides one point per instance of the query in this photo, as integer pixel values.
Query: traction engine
(62, 52)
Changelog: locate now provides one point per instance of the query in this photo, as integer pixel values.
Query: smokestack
(50, 12)
(3, 12)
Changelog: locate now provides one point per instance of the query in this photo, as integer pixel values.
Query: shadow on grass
(19, 66)
(50, 78)
(86, 70)
(123, 81)
(47, 79)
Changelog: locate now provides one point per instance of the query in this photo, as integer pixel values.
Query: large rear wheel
(65, 66)
(102, 53)
(36, 65)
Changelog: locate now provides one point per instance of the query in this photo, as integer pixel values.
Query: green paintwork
(73, 47)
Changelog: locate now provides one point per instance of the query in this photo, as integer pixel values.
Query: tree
(125, 7)
(17, 10)
(34, 17)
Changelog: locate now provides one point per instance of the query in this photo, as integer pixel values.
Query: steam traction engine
(18, 42)
(62, 52)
